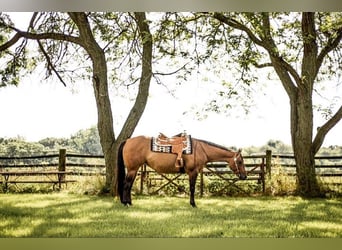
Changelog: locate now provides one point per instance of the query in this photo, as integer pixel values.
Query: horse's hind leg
(129, 180)
(192, 180)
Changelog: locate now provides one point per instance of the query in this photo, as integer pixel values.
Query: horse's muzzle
(242, 177)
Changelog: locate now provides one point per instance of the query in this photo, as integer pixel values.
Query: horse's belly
(163, 163)
(164, 170)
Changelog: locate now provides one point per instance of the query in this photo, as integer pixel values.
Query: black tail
(121, 171)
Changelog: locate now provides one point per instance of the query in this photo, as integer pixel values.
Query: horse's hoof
(128, 204)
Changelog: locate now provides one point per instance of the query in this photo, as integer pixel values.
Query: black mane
(214, 145)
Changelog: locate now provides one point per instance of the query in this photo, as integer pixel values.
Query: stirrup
(179, 163)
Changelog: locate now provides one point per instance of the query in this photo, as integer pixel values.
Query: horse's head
(238, 166)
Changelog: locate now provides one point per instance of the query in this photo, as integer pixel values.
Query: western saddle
(178, 143)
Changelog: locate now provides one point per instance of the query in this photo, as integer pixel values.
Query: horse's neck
(219, 155)
(214, 153)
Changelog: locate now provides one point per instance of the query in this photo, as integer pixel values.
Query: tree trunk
(109, 144)
(299, 89)
(302, 137)
(100, 85)
(301, 133)
(105, 121)
(144, 85)
(301, 117)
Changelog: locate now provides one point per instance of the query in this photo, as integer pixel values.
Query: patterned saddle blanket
(179, 144)
(164, 144)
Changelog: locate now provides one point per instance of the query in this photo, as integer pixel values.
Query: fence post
(201, 183)
(268, 162)
(262, 175)
(61, 166)
(268, 170)
(142, 178)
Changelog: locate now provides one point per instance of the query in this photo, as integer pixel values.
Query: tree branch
(309, 61)
(262, 65)
(170, 73)
(237, 25)
(272, 49)
(41, 36)
(50, 64)
(333, 42)
(281, 66)
(322, 131)
(86, 34)
(38, 37)
(145, 79)
(11, 42)
(33, 19)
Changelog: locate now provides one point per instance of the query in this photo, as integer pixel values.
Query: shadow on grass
(63, 215)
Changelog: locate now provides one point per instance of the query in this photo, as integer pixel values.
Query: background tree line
(87, 141)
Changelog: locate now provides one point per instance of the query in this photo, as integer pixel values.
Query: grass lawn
(69, 215)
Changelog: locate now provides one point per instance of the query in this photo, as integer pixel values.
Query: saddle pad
(155, 147)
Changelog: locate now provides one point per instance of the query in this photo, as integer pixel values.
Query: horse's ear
(239, 151)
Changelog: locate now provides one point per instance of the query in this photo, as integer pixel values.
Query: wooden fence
(328, 168)
(55, 169)
(58, 169)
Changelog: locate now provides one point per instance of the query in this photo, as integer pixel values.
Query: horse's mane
(214, 144)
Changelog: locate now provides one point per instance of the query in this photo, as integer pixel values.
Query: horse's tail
(121, 171)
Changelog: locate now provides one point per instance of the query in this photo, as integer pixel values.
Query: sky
(38, 108)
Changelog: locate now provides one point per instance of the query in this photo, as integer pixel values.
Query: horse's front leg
(192, 180)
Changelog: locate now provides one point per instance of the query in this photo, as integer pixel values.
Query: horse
(136, 151)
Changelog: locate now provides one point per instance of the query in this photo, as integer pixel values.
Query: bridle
(235, 162)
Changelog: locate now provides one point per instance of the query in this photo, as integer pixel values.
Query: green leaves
(12, 65)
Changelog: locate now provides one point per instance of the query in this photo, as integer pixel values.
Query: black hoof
(193, 205)
(127, 204)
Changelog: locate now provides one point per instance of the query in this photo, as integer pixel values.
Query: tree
(54, 144)
(12, 62)
(303, 49)
(19, 147)
(86, 141)
(60, 37)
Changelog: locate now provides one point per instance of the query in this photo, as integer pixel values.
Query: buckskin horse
(136, 151)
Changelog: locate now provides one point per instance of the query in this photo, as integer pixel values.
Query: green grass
(69, 215)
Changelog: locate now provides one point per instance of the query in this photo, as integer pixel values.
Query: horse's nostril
(243, 177)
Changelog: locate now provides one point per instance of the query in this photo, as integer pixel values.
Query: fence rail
(62, 165)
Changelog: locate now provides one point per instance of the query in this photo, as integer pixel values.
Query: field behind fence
(63, 168)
